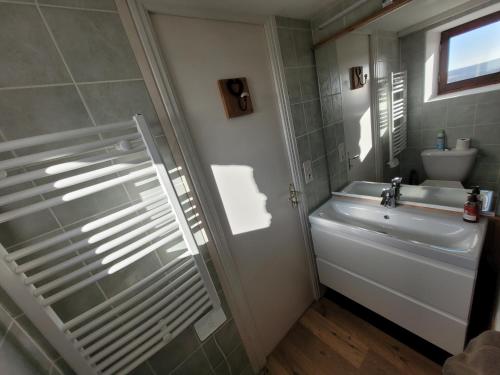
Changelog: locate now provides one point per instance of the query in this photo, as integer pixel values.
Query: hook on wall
(358, 80)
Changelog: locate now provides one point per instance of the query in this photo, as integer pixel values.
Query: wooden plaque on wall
(235, 97)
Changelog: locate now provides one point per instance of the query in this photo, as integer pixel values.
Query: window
(470, 55)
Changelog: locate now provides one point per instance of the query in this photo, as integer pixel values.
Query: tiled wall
(298, 59)
(473, 116)
(67, 64)
(330, 91)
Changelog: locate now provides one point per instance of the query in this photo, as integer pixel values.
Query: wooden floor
(330, 340)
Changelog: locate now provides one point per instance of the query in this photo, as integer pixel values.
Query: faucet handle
(396, 181)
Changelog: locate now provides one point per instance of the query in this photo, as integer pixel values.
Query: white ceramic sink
(436, 234)
(450, 199)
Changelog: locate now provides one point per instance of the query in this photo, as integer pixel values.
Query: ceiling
(304, 9)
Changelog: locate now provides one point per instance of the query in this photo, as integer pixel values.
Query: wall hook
(358, 79)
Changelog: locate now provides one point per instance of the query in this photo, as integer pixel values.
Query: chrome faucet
(390, 196)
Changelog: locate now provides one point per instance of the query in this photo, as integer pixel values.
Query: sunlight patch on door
(365, 135)
(244, 204)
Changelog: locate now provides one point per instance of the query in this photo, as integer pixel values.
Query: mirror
(428, 115)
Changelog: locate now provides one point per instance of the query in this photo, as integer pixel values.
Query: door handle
(349, 158)
(293, 196)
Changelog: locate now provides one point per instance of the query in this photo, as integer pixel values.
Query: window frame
(444, 48)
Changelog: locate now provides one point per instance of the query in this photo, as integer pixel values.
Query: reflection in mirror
(451, 138)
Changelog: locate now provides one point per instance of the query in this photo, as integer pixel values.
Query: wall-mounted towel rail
(111, 337)
(397, 116)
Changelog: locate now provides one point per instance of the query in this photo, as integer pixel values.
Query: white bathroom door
(353, 50)
(245, 161)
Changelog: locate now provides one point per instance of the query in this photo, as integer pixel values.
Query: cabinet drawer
(444, 287)
(436, 327)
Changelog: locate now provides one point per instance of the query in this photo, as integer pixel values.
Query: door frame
(136, 19)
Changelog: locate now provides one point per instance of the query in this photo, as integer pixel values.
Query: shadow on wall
(244, 204)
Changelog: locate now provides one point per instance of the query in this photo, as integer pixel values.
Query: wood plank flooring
(330, 340)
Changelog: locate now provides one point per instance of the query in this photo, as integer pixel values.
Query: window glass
(474, 53)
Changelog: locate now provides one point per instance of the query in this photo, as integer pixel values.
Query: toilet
(448, 168)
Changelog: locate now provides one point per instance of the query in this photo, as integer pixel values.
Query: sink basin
(451, 199)
(436, 234)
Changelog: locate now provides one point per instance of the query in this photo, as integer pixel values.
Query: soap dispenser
(472, 207)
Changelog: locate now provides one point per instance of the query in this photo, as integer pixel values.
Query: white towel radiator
(115, 336)
(398, 138)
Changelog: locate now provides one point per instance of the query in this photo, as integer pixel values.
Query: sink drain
(386, 217)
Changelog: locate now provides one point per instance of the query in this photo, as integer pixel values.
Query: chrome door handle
(351, 158)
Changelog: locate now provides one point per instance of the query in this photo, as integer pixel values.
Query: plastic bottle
(441, 140)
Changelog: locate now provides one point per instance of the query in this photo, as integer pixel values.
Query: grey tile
(142, 369)
(78, 303)
(63, 367)
(94, 44)
(312, 113)
(130, 275)
(175, 352)
(434, 115)
(334, 163)
(330, 138)
(304, 148)
(339, 132)
(303, 47)
(308, 83)
(228, 337)
(337, 108)
(5, 321)
(8, 304)
(486, 134)
(38, 337)
(299, 123)
(287, 47)
(327, 110)
(317, 143)
(88, 4)
(28, 226)
(196, 364)
(212, 352)
(20, 356)
(487, 113)
(292, 77)
(32, 58)
(414, 138)
(119, 101)
(484, 172)
(460, 113)
(324, 80)
(414, 116)
(41, 111)
(428, 138)
(238, 360)
(321, 180)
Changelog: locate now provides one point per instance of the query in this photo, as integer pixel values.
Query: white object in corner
(397, 117)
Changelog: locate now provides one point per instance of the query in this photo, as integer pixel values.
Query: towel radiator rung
(115, 335)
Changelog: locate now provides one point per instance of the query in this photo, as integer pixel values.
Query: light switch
(308, 172)
(341, 150)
